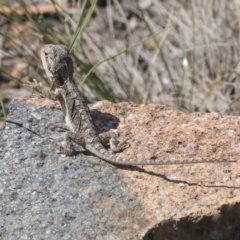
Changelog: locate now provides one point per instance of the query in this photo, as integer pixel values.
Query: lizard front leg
(35, 85)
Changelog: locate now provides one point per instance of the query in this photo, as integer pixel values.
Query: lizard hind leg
(67, 150)
(114, 143)
(70, 137)
(77, 138)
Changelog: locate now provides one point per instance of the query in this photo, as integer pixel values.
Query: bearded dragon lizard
(58, 66)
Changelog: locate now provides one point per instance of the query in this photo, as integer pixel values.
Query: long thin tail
(102, 153)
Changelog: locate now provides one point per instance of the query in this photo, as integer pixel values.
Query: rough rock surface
(46, 195)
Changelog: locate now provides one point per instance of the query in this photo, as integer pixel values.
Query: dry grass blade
(193, 65)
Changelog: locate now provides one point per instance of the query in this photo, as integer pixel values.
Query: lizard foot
(69, 151)
(115, 144)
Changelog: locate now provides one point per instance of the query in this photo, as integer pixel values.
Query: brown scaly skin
(58, 65)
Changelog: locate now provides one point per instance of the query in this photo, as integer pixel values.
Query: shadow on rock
(222, 226)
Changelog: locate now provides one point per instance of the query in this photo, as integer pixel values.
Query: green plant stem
(82, 25)
(194, 59)
(3, 108)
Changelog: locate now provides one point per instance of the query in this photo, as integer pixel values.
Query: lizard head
(57, 63)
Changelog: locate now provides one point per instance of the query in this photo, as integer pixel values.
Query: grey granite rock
(45, 195)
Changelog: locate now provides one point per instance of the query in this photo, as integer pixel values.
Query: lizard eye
(45, 53)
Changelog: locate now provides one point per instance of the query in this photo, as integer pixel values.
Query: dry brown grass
(192, 65)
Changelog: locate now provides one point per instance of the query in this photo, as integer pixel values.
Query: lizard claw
(32, 84)
(35, 85)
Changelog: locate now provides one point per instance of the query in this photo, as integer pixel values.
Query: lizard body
(58, 65)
